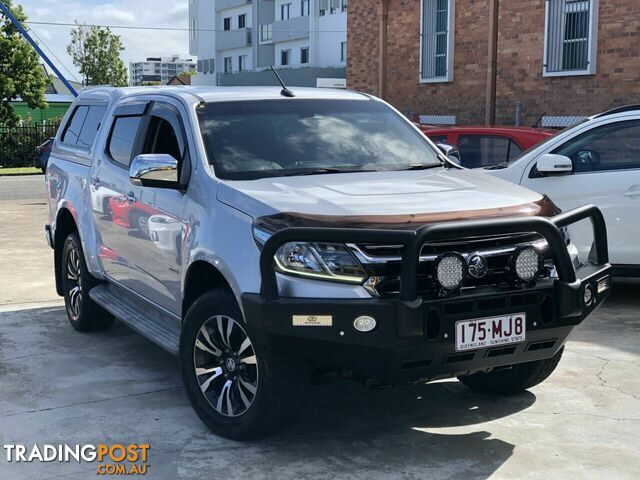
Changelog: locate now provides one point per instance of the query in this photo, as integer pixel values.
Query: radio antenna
(285, 92)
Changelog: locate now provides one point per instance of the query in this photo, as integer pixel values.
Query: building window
(212, 65)
(265, 32)
(570, 37)
(304, 8)
(242, 20)
(200, 62)
(226, 23)
(285, 56)
(334, 6)
(324, 6)
(228, 64)
(345, 5)
(193, 27)
(285, 11)
(242, 63)
(436, 45)
(343, 51)
(206, 66)
(304, 55)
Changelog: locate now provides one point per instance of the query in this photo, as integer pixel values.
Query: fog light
(450, 270)
(527, 264)
(364, 323)
(588, 295)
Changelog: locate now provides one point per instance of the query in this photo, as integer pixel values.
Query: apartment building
(159, 69)
(549, 62)
(237, 40)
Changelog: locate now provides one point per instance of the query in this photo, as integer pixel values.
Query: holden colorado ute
(263, 235)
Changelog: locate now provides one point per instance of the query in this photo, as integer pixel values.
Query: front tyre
(238, 388)
(83, 313)
(513, 380)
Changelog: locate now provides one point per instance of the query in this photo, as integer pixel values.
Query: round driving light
(364, 323)
(588, 295)
(450, 270)
(527, 264)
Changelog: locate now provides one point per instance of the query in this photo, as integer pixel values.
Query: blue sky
(139, 44)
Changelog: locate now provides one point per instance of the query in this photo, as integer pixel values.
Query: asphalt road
(27, 187)
(61, 386)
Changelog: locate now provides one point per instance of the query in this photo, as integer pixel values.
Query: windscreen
(269, 138)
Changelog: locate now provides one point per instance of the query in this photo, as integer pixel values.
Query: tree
(21, 75)
(95, 51)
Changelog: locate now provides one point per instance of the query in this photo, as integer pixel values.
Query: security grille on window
(569, 37)
(437, 41)
(304, 55)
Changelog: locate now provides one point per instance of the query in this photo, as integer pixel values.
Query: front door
(156, 215)
(606, 172)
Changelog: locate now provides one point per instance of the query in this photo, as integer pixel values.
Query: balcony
(228, 39)
(224, 4)
(285, 30)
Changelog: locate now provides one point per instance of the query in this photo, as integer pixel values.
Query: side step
(160, 327)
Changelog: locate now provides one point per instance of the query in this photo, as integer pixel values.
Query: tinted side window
(122, 139)
(91, 125)
(482, 150)
(73, 128)
(611, 147)
(438, 138)
(162, 138)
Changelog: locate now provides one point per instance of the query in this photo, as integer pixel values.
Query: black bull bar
(412, 242)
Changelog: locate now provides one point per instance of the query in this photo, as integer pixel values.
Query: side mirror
(552, 164)
(450, 151)
(154, 170)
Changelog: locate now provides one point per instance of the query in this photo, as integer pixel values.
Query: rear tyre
(83, 313)
(239, 389)
(513, 380)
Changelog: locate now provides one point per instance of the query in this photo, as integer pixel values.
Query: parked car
(305, 231)
(485, 146)
(43, 151)
(597, 161)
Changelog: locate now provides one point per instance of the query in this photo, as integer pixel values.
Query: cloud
(138, 44)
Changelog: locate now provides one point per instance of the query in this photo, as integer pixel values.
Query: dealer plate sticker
(490, 332)
(312, 320)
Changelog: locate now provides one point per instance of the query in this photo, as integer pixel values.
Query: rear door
(112, 195)
(606, 172)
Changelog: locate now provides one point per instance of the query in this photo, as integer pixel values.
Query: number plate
(490, 332)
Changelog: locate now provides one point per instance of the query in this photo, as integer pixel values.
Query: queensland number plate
(490, 332)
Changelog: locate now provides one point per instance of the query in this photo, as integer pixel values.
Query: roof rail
(626, 108)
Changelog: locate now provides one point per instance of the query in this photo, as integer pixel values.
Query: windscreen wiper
(422, 166)
(323, 171)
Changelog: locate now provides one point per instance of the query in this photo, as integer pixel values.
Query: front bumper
(415, 337)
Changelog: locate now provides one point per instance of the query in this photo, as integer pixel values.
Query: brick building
(554, 57)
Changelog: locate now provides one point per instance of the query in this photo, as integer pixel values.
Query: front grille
(384, 261)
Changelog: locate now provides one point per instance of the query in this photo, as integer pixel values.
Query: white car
(597, 161)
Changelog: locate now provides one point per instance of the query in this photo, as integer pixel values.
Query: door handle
(131, 198)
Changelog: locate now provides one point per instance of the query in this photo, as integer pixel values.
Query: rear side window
(83, 126)
(72, 132)
(123, 138)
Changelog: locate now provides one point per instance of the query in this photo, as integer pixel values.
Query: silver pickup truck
(266, 236)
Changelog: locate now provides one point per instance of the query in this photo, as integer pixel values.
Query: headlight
(327, 261)
(324, 261)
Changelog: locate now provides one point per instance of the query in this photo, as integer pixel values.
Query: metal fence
(18, 144)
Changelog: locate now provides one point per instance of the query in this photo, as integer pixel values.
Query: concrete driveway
(60, 386)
